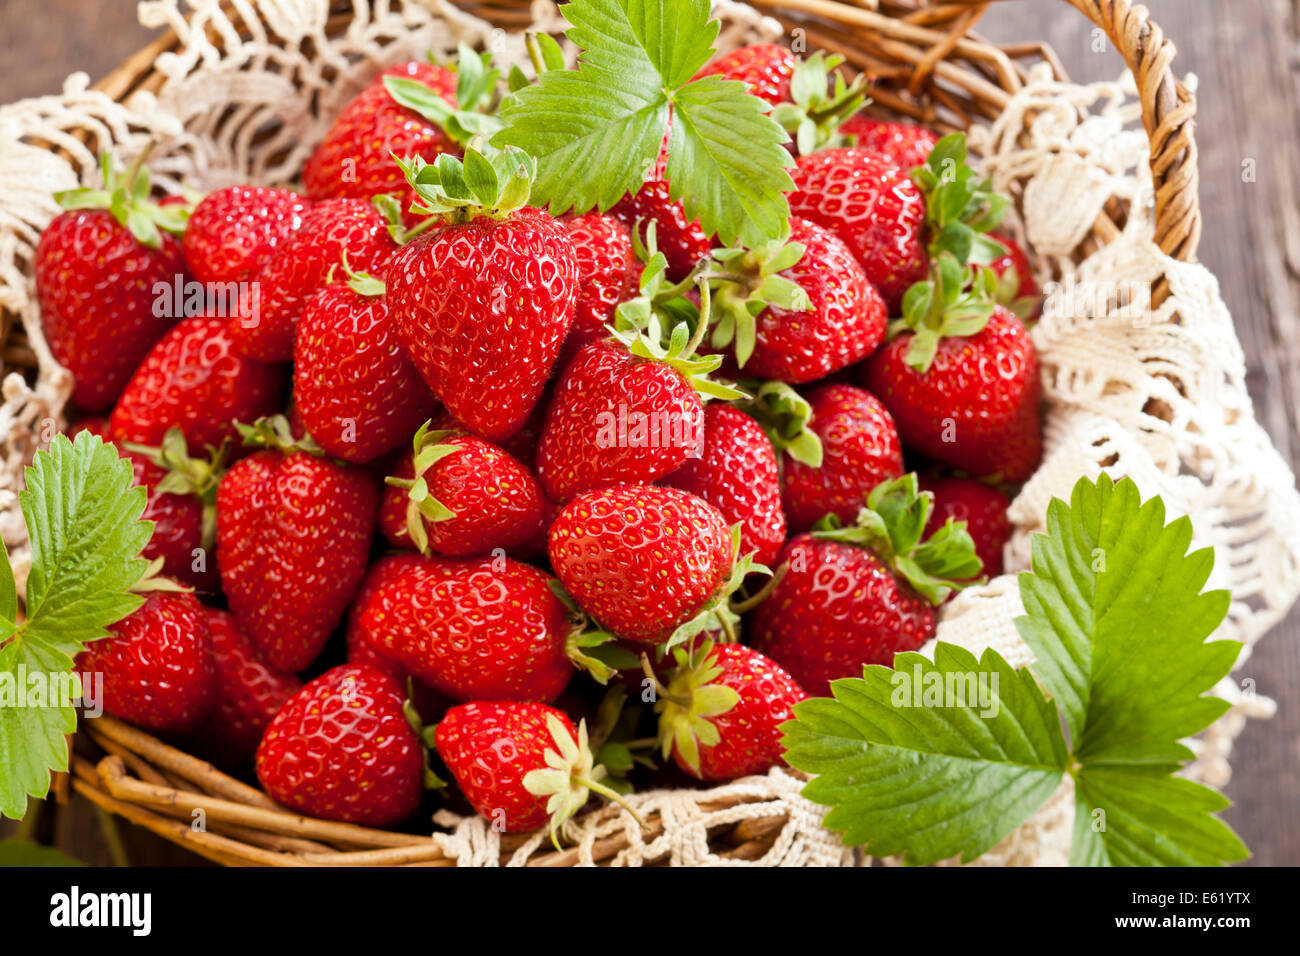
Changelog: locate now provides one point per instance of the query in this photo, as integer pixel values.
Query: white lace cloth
(1158, 395)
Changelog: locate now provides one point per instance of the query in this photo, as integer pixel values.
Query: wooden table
(1247, 56)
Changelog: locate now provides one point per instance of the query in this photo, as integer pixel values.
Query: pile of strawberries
(540, 472)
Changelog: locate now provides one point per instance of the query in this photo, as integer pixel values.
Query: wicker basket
(927, 64)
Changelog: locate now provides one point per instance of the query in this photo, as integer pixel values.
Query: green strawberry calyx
(785, 417)
(127, 197)
(955, 301)
(689, 701)
(960, 207)
(570, 777)
(429, 448)
(745, 283)
(362, 283)
(612, 737)
(820, 104)
(487, 182)
(590, 647)
(186, 475)
(1007, 290)
(275, 432)
(892, 527)
(476, 84)
(718, 616)
(425, 734)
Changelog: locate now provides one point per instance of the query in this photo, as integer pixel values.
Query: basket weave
(926, 63)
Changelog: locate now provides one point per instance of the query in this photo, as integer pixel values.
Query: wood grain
(1246, 56)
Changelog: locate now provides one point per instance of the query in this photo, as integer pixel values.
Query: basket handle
(1168, 111)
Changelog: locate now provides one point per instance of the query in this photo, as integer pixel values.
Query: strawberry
(331, 229)
(873, 206)
(981, 507)
(961, 380)
(234, 231)
(157, 664)
(411, 109)
(618, 418)
(765, 67)
(906, 145)
(682, 242)
(609, 272)
(293, 536)
(738, 475)
(641, 560)
(360, 648)
(249, 694)
(354, 389)
(97, 276)
(472, 629)
(182, 506)
(460, 496)
(857, 595)
(484, 299)
(796, 311)
(520, 763)
(194, 379)
(522, 444)
(860, 449)
(720, 713)
(342, 749)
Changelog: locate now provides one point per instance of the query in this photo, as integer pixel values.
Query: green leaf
(83, 520)
(1118, 624)
(673, 39)
(1142, 816)
(930, 778)
(726, 162)
(8, 589)
(25, 853)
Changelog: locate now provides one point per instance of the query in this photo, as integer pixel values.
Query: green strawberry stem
(955, 301)
(275, 432)
(425, 734)
(362, 283)
(892, 526)
(421, 506)
(717, 614)
(762, 594)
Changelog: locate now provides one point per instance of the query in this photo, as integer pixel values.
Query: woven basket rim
(952, 78)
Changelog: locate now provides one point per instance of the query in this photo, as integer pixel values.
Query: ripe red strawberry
(777, 333)
(249, 695)
(302, 265)
(484, 300)
(765, 67)
(460, 496)
(473, 629)
(738, 475)
(983, 509)
(873, 207)
(182, 506)
(857, 595)
(520, 764)
(906, 145)
(157, 664)
(682, 242)
(617, 418)
(609, 272)
(355, 390)
(860, 449)
(720, 712)
(355, 159)
(641, 560)
(342, 749)
(234, 231)
(962, 383)
(293, 535)
(195, 380)
(360, 648)
(96, 280)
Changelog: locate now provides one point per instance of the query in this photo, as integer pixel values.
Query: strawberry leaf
(1118, 624)
(83, 521)
(931, 782)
